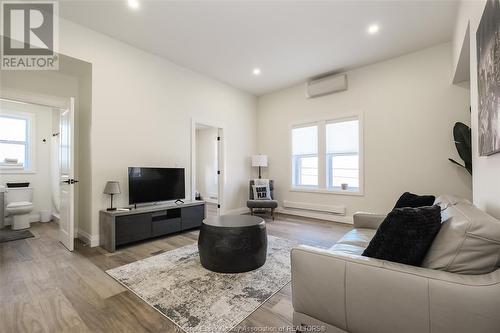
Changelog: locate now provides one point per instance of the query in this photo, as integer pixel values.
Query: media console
(121, 227)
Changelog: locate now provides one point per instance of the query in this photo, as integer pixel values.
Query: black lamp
(112, 188)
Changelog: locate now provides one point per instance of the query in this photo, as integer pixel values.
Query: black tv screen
(155, 184)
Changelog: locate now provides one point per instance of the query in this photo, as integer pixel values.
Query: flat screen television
(155, 184)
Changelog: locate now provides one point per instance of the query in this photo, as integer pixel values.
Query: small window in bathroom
(15, 142)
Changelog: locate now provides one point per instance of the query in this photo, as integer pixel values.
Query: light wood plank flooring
(45, 288)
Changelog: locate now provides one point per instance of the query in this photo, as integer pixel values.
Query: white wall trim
(34, 98)
(91, 240)
(313, 215)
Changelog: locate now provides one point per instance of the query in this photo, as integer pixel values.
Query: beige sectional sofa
(339, 290)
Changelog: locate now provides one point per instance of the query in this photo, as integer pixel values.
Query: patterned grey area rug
(198, 300)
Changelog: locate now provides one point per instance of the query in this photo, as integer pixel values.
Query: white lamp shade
(112, 187)
(259, 160)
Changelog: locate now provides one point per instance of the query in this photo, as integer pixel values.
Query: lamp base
(110, 209)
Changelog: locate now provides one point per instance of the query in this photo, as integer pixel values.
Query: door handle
(70, 181)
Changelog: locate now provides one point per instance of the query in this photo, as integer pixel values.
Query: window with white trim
(305, 156)
(15, 142)
(342, 155)
(326, 156)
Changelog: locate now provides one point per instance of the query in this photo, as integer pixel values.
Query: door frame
(63, 235)
(34, 98)
(221, 157)
(55, 102)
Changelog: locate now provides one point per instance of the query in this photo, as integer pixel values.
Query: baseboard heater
(329, 209)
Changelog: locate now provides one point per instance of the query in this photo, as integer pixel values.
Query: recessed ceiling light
(373, 29)
(256, 71)
(133, 4)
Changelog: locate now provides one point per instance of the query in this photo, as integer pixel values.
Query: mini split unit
(326, 85)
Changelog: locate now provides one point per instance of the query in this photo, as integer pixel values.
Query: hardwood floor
(45, 288)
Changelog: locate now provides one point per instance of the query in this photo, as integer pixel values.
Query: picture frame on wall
(488, 79)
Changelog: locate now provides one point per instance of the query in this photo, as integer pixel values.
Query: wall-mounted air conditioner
(326, 85)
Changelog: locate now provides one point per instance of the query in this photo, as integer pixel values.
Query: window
(342, 155)
(14, 142)
(305, 156)
(326, 156)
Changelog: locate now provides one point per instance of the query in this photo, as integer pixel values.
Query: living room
(327, 108)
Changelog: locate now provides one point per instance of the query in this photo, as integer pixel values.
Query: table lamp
(112, 188)
(259, 161)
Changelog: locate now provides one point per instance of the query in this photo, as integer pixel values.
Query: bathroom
(29, 153)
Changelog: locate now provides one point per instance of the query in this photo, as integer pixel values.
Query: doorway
(207, 167)
(35, 139)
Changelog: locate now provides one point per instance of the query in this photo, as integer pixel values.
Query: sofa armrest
(367, 220)
(318, 285)
(363, 294)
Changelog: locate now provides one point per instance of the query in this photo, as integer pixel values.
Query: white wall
(206, 162)
(85, 158)
(486, 180)
(39, 179)
(142, 107)
(409, 107)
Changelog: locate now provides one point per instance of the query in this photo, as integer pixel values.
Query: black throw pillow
(405, 235)
(408, 199)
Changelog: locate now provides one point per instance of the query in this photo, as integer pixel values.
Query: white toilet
(18, 205)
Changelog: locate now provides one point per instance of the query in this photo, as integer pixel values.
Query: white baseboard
(93, 241)
(297, 212)
(237, 211)
(313, 215)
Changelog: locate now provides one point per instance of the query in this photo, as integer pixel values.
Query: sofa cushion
(347, 248)
(405, 235)
(354, 242)
(359, 237)
(468, 242)
(262, 203)
(408, 199)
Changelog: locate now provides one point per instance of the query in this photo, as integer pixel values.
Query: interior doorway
(207, 167)
(36, 137)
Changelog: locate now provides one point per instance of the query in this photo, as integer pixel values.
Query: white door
(67, 166)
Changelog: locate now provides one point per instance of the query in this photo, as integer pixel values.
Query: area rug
(198, 300)
(7, 235)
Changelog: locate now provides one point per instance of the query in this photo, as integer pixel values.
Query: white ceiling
(289, 41)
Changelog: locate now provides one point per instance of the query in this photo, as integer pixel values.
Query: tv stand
(179, 200)
(123, 227)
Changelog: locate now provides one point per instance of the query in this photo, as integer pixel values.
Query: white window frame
(322, 157)
(294, 161)
(295, 166)
(29, 158)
